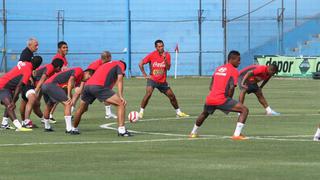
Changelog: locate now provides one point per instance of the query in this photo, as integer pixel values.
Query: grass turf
(280, 147)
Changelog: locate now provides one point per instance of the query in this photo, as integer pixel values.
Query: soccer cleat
(181, 114)
(239, 138)
(125, 134)
(75, 131)
(29, 124)
(67, 132)
(111, 115)
(7, 126)
(273, 113)
(316, 138)
(140, 115)
(22, 129)
(193, 135)
(48, 130)
(52, 121)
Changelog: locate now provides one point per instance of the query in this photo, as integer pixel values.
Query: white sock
(17, 124)
(26, 121)
(68, 122)
(121, 129)
(317, 133)
(50, 116)
(47, 124)
(178, 110)
(268, 109)
(72, 109)
(195, 129)
(141, 110)
(5, 121)
(238, 130)
(108, 109)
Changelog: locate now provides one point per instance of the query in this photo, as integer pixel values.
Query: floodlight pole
(200, 12)
(4, 50)
(224, 26)
(128, 38)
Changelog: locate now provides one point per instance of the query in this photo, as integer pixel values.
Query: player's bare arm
(41, 81)
(264, 82)
(165, 61)
(247, 76)
(141, 64)
(70, 86)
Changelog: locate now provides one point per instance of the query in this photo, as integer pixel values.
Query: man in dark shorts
(33, 96)
(159, 62)
(100, 87)
(10, 87)
(224, 81)
(105, 58)
(53, 92)
(61, 54)
(248, 81)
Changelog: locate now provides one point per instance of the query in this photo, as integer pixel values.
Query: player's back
(223, 78)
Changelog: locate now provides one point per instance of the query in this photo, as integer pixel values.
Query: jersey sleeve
(147, 59)
(120, 70)
(49, 71)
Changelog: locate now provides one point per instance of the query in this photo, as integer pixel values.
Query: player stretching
(224, 81)
(100, 87)
(54, 93)
(105, 57)
(159, 62)
(10, 87)
(248, 83)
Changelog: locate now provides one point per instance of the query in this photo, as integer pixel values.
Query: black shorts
(252, 87)
(26, 90)
(225, 107)
(53, 93)
(90, 93)
(5, 93)
(162, 87)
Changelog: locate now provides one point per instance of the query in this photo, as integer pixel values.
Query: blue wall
(97, 25)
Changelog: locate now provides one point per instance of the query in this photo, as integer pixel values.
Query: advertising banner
(291, 66)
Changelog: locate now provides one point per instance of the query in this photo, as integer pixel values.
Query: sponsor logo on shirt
(221, 71)
(159, 65)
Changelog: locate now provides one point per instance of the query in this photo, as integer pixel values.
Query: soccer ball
(133, 116)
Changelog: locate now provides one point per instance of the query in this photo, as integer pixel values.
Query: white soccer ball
(133, 116)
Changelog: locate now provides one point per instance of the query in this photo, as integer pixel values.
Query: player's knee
(245, 110)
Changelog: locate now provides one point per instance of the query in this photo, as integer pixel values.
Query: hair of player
(36, 61)
(105, 55)
(90, 71)
(124, 63)
(31, 40)
(61, 43)
(233, 54)
(57, 62)
(158, 41)
(274, 67)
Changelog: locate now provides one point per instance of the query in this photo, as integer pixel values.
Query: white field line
(183, 137)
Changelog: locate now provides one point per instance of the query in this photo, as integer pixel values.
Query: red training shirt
(62, 78)
(21, 72)
(223, 78)
(158, 71)
(65, 62)
(107, 74)
(260, 72)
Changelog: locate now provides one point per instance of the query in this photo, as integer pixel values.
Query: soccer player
(159, 62)
(224, 81)
(105, 57)
(100, 87)
(61, 54)
(33, 101)
(248, 83)
(10, 87)
(54, 93)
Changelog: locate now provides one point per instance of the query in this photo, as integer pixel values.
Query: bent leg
(83, 107)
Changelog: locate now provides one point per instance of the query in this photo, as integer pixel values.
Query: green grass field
(280, 147)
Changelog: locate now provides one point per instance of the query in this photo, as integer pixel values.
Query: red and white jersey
(158, 71)
(222, 79)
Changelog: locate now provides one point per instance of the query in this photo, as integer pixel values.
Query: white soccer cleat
(111, 115)
(273, 113)
(316, 138)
